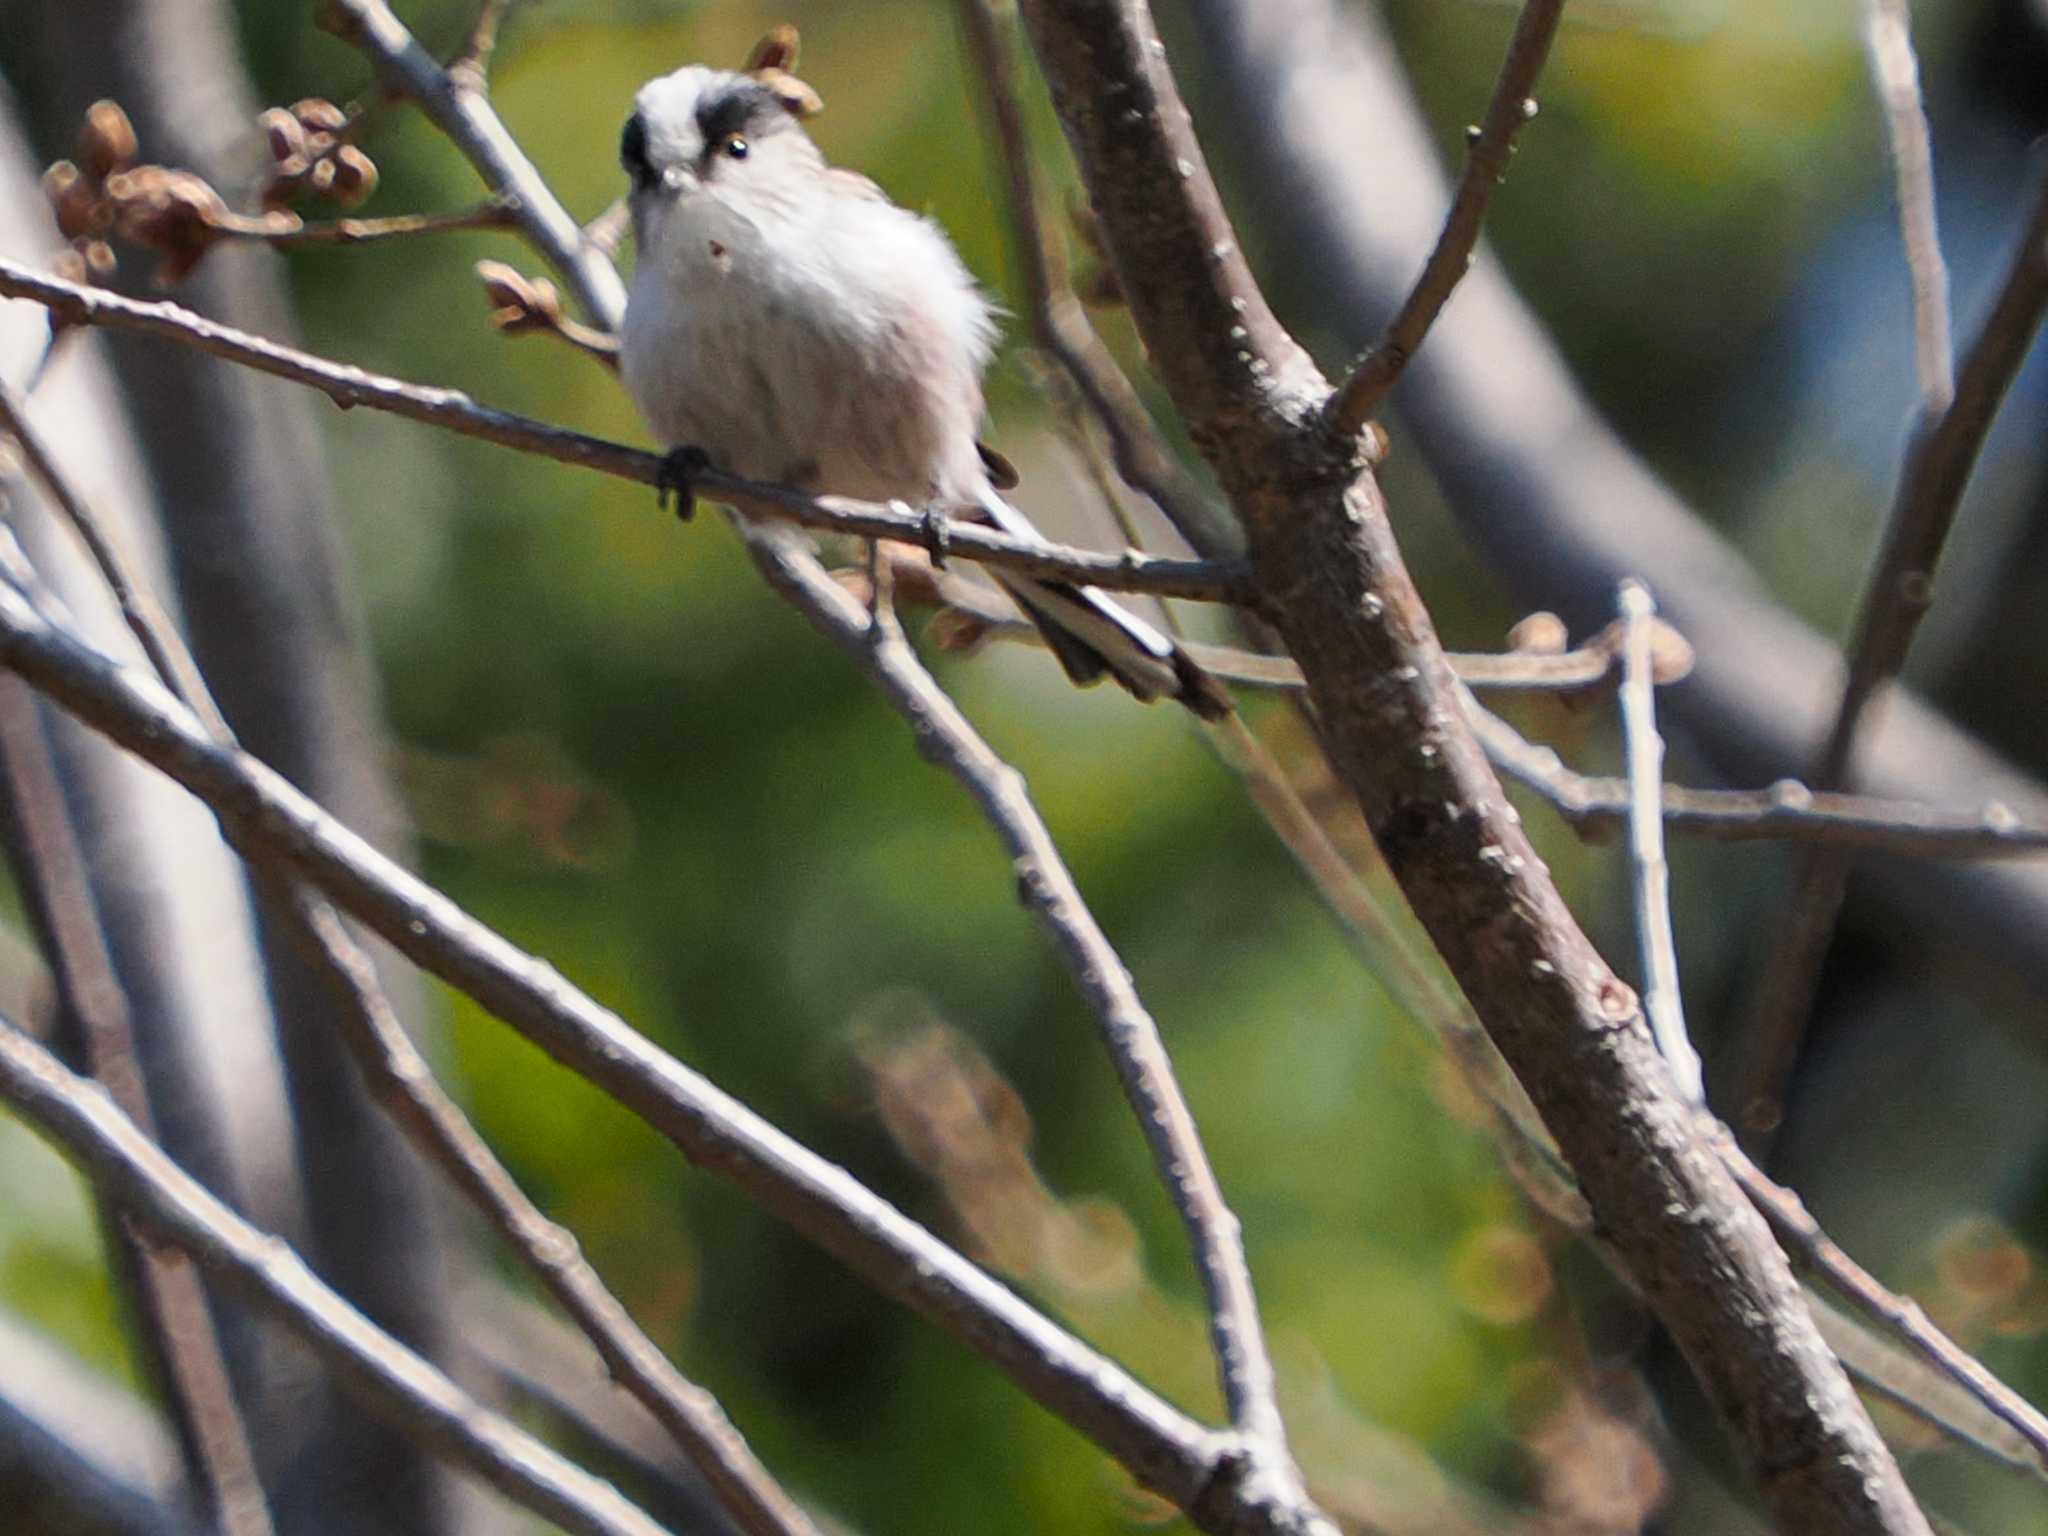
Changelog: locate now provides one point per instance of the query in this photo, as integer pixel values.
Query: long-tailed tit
(793, 325)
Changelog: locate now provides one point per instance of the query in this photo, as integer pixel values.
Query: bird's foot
(677, 478)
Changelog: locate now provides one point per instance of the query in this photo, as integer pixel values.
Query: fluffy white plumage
(796, 326)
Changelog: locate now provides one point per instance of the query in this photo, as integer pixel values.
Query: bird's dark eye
(736, 147)
(633, 152)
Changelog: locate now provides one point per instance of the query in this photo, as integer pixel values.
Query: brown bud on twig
(319, 115)
(521, 303)
(174, 213)
(285, 134)
(75, 201)
(776, 50)
(355, 175)
(1540, 634)
(106, 142)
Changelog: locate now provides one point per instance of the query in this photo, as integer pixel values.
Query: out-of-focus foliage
(628, 756)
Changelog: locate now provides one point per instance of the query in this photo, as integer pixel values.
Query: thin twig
(1940, 460)
(1486, 166)
(456, 104)
(1585, 667)
(946, 737)
(140, 610)
(79, 1118)
(1820, 1255)
(1895, 73)
(403, 1082)
(474, 61)
(348, 386)
(1652, 875)
(493, 213)
(1786, 812)
(281, 829)
(1060, 324)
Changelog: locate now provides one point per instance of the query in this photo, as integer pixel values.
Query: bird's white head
(713, 133)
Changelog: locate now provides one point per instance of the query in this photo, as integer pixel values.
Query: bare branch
(403, 1082)
(1787, 811)
(1940, 459)
(473, 63)
(1331, 579)
(945, 736)
(1895, 73)
(1130, 571)
(283, 829)
(1662, 999)
(493, 213)
(397, 1074)
(1816, 1252)
(456, 104)
(1486, 166)
(82, 1121)
(140, 610)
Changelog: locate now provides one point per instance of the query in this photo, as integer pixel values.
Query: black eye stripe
(633, 151)
(738, 107)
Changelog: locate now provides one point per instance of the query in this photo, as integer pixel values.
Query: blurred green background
(627, 755)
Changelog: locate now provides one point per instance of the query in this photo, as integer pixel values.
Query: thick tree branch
(1486, 166)
(1550, 496)
(1332, 581)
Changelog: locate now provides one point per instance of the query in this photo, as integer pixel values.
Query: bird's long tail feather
(1093, 636)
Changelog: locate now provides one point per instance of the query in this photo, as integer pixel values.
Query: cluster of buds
(103, 193)
(310, 155)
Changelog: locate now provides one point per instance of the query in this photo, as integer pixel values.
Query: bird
(787, 322)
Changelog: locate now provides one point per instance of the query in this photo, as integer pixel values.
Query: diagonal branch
(455, 102)
(180, 1344)
(400, 1077)
(1332, 580)
(284, 831)
(947, 739)
(393, 1068)
(1486, 166)
(82, 1121)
